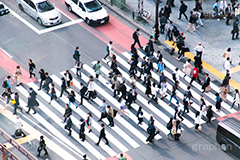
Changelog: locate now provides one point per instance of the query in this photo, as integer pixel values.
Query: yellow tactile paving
(22, 140)
(233, 70)
(207, 66)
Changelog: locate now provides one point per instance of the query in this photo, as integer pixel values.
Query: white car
(90, 10)
(41, 10)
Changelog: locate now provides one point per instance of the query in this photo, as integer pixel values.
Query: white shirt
(154, 90)
(227, 65)
(223, 5)
(198, 119)
(91, 86)
(110, 47)
(18, 124)
(123, 102)
(199, 48)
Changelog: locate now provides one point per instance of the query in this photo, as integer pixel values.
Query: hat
(182, 33)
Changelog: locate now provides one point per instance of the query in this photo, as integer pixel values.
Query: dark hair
(103, 100)
(108, 106)
(176, 69)
(81, 120)
(216, 94)
(41, 137)
(90, 114)
(8, 77)
(188, 87)
(16, 93)
(206, 74)
(229, 49)
(102, 125)
(197, 114)
(77, 47)
(137, 29)
(110, 42)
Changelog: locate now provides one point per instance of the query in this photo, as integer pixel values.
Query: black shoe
(90, 131)
(97, 144)
(112, 126)
(46, 153)
(83, 140)
(99, 120)
(34, 112)
(69, 134)
(27, 112)
(14, 113)
(107, 143)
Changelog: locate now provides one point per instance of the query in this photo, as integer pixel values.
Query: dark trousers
(31, 107)
(46, 88)
(115, 92)
(180, 15)
(179, 115)
(110, 119)
(81, 100)
(31, 73)
(41, 84)
(199, 54)
(69, 130)
(137, 41)
(40, 149)
(82, 136)
(102, 137)
(182, 51)
(78, 72)
(194, 78)
(68, 83)
(162, 28)
(103, 115)
(106, 55)
(63, 90)
(228, 19)
(184, 110)
(151, 137)
(233, 35)
(16, 107)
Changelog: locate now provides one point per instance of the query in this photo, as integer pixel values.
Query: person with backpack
(32, 66)
(152, 131)
(76, 55)
(110, 116)
(122, 157)
(182, 10)
(32, 102)
(192, 21)
(169, 126)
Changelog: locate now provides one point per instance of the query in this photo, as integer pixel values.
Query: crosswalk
(125, 135)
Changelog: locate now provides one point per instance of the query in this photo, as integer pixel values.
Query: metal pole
(156, 22)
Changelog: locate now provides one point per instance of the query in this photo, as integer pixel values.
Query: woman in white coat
(236, 98)
(197, 122)
(187, 68)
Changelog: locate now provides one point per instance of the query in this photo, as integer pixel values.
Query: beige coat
(222, 93)
(110, 112)
(187, 68)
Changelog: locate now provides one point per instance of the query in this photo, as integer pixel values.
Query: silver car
(41, 10)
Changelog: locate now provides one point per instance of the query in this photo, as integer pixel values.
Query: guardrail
(8, 153)
(16, 145)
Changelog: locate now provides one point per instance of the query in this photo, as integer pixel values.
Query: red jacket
(195, 72)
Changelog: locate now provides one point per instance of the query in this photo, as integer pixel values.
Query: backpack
(107, 49)
(115, 112)
(4, 85)
(174, 76)
(94, 66)
(185, 8)
(169, 125)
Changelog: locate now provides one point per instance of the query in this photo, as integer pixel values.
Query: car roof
(37, 1)
(232, 125)
(85, 1)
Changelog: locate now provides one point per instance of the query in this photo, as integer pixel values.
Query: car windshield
(93, 6)
(44, 6)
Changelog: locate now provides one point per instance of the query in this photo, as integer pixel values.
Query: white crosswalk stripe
(118, 136)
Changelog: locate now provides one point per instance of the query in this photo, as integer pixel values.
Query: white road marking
(6, 52)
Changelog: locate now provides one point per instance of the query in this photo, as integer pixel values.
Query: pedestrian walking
(136, 36)
(176, 129)
(185, 104)
(42, 146)
(197, 122)
(32, 102)
(161, 66)
(123, 106)
(123, 90)
(16, 103)
(235, 30)
(47, 82)
(148, 87)
(32, 66)
(198, 63)
(189, 95)
(18, 75)
(68, 126)
(187, 68)
(154, 92)
(169, 126)
(199, 50)
(78, 66)
(82, 91)
(102, 136)
(140, 116)
(170, 31)
(151, 47)
(162, 78)
(228, 12)
(122, 157)
(163, 22)
(195, 76)
(163, 89)
(151, 119)
(228, 54)
(192, 21)
(85, 157)
(218, 102)
(115, 86)
(167, 10)
(130, 98)
(108, 49)
(42, 77)
(52, 93)
(63, 87)
(82, 130)
(236, 99)
(68, 77)
(173, 95)
(91, 88)
(225, 81)
(110, 116)
(18, 127)
(7, 96)
(209, 114)
(178, 111)
(152, 131)
(102, 108)
(97, 68)
(76, 55)
(227, 65)
(89, 122)
(68, 112)
(216, 8)
(223, 92)
(182, 10)
(71, 98)
(182, 48)
(206, 82)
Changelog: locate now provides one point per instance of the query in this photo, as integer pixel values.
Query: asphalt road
(53, 52)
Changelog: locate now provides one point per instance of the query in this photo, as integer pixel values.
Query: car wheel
(223, 147)
(21, 7)
(87, 21)
(39, 21)
(69, 8)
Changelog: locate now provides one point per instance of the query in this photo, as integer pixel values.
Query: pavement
(53, 49)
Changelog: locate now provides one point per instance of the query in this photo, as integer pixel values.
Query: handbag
(71, 83)
(13, 101)
(224, 55)
(208, 88)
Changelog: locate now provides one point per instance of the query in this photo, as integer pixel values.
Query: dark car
(228, 136)
(3, 10)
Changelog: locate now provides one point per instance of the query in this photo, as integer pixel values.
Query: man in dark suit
(42, 146)
(150, 43)
(63, 87)
(42, 77)
(152, 132)
(68, 126)
(150, 64)
(82, 130)
(83, 90)
(235, 30)
(136, 35)
(206, 82)
(228, 12)
(46, 82)
(76, 54)
(102, 135)
(32, 101)
(123, 90)
(68, 112)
